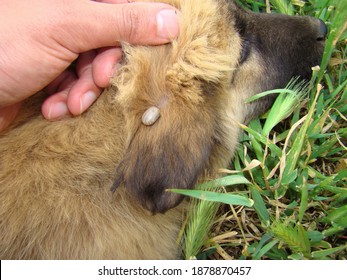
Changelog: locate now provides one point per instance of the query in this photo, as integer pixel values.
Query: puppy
(168, 120)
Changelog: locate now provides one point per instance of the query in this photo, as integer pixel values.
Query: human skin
(39, 39)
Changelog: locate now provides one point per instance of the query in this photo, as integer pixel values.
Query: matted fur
(56, 177)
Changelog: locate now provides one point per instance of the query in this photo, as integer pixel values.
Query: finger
(85, 91)
(61, 82)
(109, 24)
(55, 106)
(114, 1)
(105, 65)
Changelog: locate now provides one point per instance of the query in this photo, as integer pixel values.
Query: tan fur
(56, 177)
(55, 194)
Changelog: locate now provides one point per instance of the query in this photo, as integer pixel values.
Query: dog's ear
(187, 84)
(171, 153)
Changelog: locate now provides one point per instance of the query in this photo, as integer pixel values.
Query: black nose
(322, 30)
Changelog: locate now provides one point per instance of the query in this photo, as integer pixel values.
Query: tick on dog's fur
(151, 115)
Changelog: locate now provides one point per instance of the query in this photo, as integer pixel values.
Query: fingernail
(167, 24)
(87, 99)
(57, 111)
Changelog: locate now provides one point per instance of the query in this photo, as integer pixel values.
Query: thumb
(101, 24)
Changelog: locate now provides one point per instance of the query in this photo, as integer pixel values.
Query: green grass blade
(305, 242)
(260, 207)
(265, 249)
(323, 254)
(224, 181)
(337, 216)
(261, 138)
(226, 198)
(283, 6)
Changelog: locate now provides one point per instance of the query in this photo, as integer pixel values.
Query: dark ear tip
(163, 203)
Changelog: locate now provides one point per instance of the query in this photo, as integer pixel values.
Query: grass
(286, 195)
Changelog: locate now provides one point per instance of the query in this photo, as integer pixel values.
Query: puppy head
(197, 86)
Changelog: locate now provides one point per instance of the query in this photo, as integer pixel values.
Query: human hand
(39, 39)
